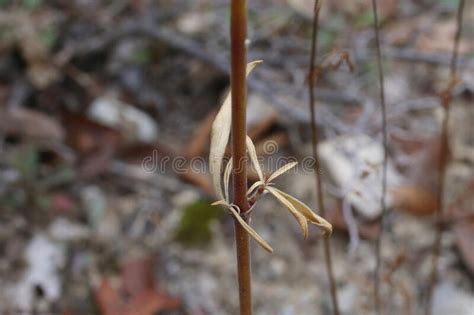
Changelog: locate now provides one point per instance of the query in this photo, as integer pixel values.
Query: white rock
(448, 299)
(132, 122)
(44, 258)
(355, 165)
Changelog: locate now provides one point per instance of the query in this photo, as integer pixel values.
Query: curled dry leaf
(298, 216)
(220, 137)
(251, 231)
(254, 158)
(281, 171)
(30, 124)
(227, 172)
(296, 206)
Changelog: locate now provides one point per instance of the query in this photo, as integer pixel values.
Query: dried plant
(219, 138)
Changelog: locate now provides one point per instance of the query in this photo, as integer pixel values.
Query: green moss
(195, 226)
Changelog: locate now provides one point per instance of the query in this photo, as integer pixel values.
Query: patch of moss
(194, 229)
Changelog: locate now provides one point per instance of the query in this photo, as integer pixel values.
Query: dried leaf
(414, 199)
(254, 186)
(220, 137)
(108, 299)
(281, 171)
(251, 231)
(254, 158)
(227, 172)
(137, 275)
(299, 217)
(31, 124)
(305, 211)
(151, 302)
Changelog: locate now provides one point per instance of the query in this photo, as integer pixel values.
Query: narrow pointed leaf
(220, 137)
(299, 217)
(227, 172)
(254, 158)
(251, 231)
(220, 203)
(254, 186)
(281, 171)
(304, 210)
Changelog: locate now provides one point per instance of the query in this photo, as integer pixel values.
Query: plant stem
(443, 160)
(383, 206)
(238, 32)
(314, 142)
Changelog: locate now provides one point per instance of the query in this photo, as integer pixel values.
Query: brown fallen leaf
(96, 143)
(137, 276)
(30, 123)
(108, 299)
(150, 302)
(414, 199)
(142, 296)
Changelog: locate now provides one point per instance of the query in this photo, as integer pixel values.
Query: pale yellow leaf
(299, 217)
(254, 186)
(220, 137)
(220, 203)
(304, 210)
(227, 172)
(251, 231)
(281, 171)
(254, 158)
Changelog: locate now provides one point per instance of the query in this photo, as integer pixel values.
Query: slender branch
(443, 160)
(238, 31)
(314, 142)
(383, 206)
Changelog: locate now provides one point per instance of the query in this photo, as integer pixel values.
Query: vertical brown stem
(442, 164)
(314, 142)
(238, 31)
(383, 206)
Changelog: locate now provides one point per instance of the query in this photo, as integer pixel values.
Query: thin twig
(238, 82)
(443, 160)
(314, 142)
(378, 242)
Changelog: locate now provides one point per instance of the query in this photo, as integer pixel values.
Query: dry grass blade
(299, 217)
(227, 172)
(220, 137)
(251, 231)
(254, 186)
(306, 211)
(254, 158)
(281, 171)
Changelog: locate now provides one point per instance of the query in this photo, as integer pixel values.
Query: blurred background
(105, 113)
